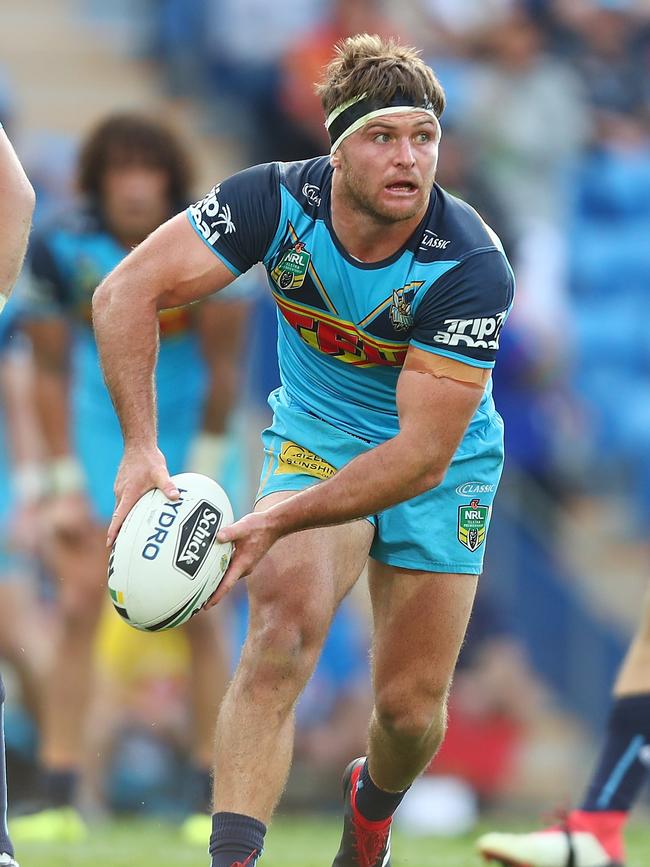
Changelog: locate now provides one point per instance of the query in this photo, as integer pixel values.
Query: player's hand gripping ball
(166, 561)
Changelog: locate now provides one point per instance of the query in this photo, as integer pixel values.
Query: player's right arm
(45, 313)
(175, 265)
(16, 208)
(170, 268)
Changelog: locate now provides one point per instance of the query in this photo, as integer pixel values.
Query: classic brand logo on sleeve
(212, 217)
(482, 333)
(430, 239)
(196, 536)
(296, 459)
(312, 194)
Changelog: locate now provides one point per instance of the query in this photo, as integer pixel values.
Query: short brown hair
(132, 138)
(379, 68)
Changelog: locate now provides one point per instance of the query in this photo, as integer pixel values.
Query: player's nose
(404, 155)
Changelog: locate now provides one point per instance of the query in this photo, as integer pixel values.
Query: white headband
(342, 127)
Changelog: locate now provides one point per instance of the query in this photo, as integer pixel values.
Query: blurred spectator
(607, 42)
(243, 43)
(299, 132)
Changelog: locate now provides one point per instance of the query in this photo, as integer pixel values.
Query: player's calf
(405, 732)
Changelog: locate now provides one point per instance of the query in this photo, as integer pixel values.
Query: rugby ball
(166, 561)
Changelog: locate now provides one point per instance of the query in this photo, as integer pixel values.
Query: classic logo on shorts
(470, 488)
(196, 536)
(296, 459)
(290, 271)
(472, 523)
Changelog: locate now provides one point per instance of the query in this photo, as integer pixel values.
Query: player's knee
(411, 715)
(285, 648)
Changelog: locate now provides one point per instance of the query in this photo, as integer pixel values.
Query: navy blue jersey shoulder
(462, 313)
(239, 216)
(452, 230)
(308, 182)
(48, 281)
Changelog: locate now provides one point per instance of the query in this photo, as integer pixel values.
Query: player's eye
(382, 137)
(423, 137)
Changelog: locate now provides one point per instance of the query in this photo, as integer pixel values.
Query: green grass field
(290, 843)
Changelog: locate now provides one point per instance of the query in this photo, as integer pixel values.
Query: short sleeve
(461, 315)
(239, 217)
(45, 290)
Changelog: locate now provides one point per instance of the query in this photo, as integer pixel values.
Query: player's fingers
(232, 576)
(120, 513)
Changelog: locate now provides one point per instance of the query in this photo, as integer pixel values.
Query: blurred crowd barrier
(547, 134)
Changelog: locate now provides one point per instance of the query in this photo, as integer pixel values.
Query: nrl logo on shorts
(290, 271)
(472, 524)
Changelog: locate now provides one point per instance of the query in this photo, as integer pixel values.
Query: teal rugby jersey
(344, 325)
(66, 262)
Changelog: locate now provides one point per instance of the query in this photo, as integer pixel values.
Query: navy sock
(372, 802)
(5, 842)
(622, 769)
(60, 787)
(201, 795)
(236, 841)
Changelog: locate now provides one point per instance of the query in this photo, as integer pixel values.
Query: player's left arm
(17, 201)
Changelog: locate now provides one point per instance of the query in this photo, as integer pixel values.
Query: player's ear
(335, 160)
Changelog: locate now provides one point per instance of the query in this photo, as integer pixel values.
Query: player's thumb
(169, 489)
(228, 534)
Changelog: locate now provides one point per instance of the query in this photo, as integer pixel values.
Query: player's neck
(367, 238)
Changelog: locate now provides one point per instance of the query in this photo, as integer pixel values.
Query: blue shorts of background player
(442, 530)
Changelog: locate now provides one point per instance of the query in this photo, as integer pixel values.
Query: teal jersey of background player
(344, 325)
(66, 262)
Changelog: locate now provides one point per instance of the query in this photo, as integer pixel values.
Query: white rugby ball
(166, 561)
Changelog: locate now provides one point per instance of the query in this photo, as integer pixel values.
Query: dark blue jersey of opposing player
(345, 325)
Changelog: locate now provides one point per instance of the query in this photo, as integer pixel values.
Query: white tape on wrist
(207, 454)
(65, 476)
(29, 483)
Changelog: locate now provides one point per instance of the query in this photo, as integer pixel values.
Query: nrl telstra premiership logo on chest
(290, 271)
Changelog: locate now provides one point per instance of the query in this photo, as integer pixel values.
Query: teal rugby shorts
(441, 530)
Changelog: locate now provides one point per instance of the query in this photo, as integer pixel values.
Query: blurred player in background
(133, 174)
(391, 296)
(592, 835)
(16, 209)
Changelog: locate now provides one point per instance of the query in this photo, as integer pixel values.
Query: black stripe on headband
(366, 105)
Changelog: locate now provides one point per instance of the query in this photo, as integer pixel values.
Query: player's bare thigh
(420, 619)
(307, 574)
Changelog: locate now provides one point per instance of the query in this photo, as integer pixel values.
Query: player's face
(135, 198)
(388, 166)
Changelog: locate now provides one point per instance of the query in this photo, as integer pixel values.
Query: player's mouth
(402, 188)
